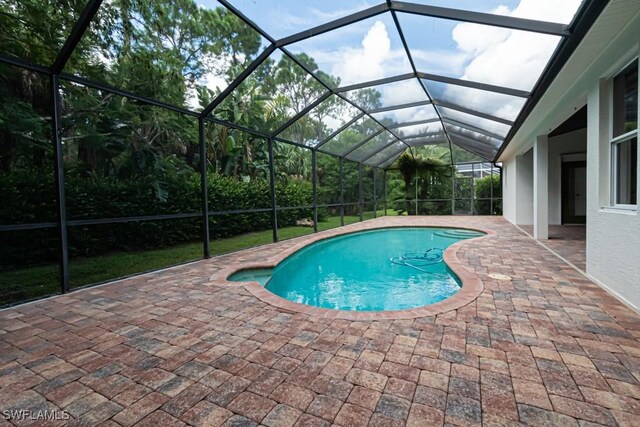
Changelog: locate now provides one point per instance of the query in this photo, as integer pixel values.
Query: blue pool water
(385, 269)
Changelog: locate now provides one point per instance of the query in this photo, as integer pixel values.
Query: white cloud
(439, 61)
(373, 60)
(407, 115)
(507, 58)
(282, 19)
(402, 92)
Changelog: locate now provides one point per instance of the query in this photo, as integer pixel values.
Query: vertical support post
(384, 190)
(375, 196)
(360, 193)
(491, 195)
(453, 190)
(473, 187)
(203, 189)
(341, 192)
(416, 200)
(272, 189)
(501, 191)
(541, 188)
(59, 181)
(314, 179)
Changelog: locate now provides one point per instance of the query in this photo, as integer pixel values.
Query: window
(624, 153)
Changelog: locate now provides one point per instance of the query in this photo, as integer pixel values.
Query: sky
(372, 48)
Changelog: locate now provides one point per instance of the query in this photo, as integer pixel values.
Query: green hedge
(29, 197)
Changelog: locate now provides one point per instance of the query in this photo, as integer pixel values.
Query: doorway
(574, 192)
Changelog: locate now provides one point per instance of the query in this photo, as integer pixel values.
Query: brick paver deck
(546, 348)
(568, 241)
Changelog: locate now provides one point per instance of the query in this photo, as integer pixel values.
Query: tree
(484, 193)
(425, 177)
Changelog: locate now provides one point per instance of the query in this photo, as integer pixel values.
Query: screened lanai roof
(372, 79)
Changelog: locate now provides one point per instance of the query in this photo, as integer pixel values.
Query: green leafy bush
(483, 191)
(28, 197)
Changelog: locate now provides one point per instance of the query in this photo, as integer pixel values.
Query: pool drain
(498, 276)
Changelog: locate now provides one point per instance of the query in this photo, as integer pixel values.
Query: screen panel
(179, 53)
(36, 30)
(471, 51)
(321, 122)
(366, 50)
(388, 95)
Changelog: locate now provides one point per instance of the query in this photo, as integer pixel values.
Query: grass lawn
(17, 285)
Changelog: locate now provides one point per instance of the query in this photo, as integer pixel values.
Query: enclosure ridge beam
(444, 129)
(361, 143)
(75, 36)
(339, 130)
(378, 82)
(126, 94)
(238, 80)
(417, 122)
(301, 113)
(399, 107)
(466, 110)
(472, 128)
(334, 25)
(475, 85)
(396, 21)
(503, 21)
(410, 57)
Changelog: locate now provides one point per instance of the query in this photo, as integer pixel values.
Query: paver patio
(547, 347)
(568, 241)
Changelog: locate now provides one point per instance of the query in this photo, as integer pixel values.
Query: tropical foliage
(124, 158)
(424, 178)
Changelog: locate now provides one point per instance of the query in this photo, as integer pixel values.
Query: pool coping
(471, 289)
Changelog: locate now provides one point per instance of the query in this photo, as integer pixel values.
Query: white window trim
(613, 142)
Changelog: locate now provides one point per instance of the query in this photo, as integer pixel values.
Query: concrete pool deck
(544, 347)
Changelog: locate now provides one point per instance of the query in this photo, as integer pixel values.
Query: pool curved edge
(471, 288)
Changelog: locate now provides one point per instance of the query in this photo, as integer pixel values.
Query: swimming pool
(375, 270)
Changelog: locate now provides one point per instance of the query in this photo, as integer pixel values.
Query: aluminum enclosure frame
(571, 36)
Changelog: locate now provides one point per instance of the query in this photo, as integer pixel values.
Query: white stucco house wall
(532, 160)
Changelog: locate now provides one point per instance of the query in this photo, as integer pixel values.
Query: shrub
(483, 191)
(29, 197)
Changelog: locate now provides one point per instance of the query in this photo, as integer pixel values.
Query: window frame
(615, 141)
